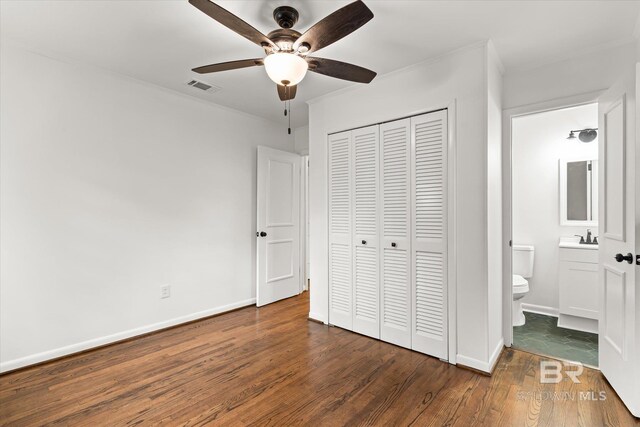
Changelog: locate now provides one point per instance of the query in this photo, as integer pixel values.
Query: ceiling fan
(287, 50)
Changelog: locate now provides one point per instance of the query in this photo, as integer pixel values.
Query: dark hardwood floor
(271, 366)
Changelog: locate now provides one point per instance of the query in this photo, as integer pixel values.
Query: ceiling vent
(203, 86)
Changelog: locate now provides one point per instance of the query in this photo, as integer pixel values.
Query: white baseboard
(496, 354)
(540, 309)
(318, 317)
(473, 363)
(97, 342)
(578, 323)
(480, 365)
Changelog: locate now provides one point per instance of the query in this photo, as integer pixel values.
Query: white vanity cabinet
(578, 284)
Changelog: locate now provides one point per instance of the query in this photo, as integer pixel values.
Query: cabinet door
(366, 303)
(340, 233)
(429, 220)
(578, 283)
(396, 235)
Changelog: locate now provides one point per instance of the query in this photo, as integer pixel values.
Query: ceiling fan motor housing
(283, 38)
(285, 16)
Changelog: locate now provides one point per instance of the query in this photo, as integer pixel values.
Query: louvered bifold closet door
(340, 232)
(429, 220)
(366, 302)
(395, 308)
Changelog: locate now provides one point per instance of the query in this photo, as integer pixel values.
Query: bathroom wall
(539, 142)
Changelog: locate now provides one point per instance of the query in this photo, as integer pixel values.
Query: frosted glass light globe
(285, 67)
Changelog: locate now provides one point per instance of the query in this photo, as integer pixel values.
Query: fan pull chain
(289, 130)
(286, 92)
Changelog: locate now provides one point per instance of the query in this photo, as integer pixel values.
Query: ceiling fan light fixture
(286, 67)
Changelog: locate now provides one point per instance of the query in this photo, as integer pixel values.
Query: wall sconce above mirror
(584, 135)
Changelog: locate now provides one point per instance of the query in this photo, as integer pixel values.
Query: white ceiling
(160, 41)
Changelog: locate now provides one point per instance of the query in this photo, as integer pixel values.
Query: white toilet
(522, 270)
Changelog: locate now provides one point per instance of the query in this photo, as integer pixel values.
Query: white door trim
(452, 231)
(507, 212)
(304, 213)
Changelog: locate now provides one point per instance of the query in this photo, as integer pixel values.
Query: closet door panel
(395, 308)
(429, 220)
(365, 239)
(340, 231)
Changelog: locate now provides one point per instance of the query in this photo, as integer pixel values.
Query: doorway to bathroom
(554, 229)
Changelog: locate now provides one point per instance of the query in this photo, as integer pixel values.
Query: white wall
(494, 202)
(592, 71)
(111, 188)
(459, 77)
(539, 142)
(301, 138)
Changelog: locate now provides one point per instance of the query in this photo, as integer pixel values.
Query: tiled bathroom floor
(540, 334)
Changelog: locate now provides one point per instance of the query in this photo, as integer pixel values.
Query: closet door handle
(364, 242)
(393, 244)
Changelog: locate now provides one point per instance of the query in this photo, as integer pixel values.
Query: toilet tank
(523, 260)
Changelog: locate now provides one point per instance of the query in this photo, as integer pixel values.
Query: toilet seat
(520, 284)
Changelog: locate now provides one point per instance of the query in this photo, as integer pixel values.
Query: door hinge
(510, 243)
(589, 167)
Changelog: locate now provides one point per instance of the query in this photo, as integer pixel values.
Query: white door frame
(452, 284)
(304, 220)
(507, 210)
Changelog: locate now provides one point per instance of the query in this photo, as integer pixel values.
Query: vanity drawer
(579, 255)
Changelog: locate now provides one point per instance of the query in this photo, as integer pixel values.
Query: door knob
(393, 244)
(628, 257)
(262, 234)
(364, 242)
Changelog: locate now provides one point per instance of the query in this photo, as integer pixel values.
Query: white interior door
(395, 326)
(365, 224)
(618, 325)
(340, 247)
(429, 220)
(278, 230)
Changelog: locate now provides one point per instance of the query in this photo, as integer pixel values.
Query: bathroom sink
(576, 245)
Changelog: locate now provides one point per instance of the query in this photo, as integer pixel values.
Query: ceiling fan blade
(332, 28)
(232, 22)
(287, 93)
(231, 65)
(340, 70)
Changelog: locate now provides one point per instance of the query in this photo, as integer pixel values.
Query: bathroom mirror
(579, 192)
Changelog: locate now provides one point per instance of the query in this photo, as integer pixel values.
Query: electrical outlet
(165, 291)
